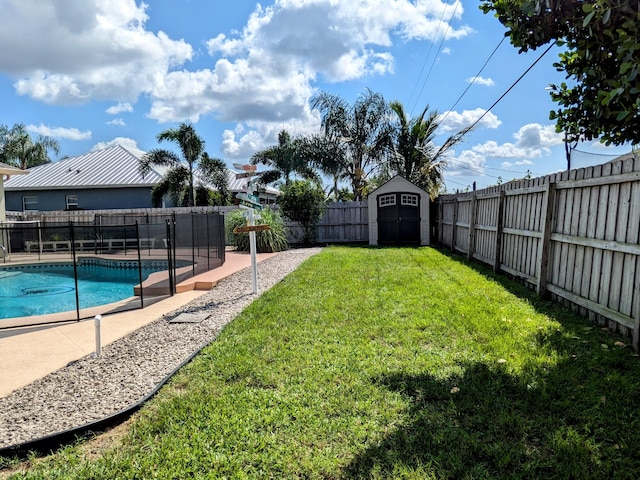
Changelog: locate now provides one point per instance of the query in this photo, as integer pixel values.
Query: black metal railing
(154, 254)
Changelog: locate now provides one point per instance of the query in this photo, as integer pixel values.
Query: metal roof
(106, 168)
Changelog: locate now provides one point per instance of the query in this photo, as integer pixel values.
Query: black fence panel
(58, 272)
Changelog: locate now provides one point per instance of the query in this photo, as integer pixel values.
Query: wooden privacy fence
(341, 222)
(573, 235)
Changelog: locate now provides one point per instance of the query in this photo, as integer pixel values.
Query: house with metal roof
(6, 171)
(105, 179)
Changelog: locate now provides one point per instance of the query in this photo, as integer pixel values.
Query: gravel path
(130, 368)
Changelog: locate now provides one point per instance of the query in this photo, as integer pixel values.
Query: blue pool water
(49, 289)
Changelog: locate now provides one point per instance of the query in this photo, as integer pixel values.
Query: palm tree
(326, 155)
(214, 171)
(179, 178)
(285, 159)
(360, 134)
(18, 149)
(415, 155)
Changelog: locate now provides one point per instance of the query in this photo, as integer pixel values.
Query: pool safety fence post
(169, 262)
(139, 266)
(97, 324)
(206, 223)
(193, 244)
(174, 253)
(124, 234)
(75, 267)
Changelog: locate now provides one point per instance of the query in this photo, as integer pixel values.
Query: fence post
(472, 227)
(499, 227)
(170, 258)
(635, 335)
(440, 213)
(72, 236)
(139, 265)
(543, 247)
(455, 224)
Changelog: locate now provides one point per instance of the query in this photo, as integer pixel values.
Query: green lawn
(388, 363)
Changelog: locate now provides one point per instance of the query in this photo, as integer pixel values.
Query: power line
(424, 64)
(461, 163)
(473, 80)
(596, 154)
(511, 87)
(435, 57)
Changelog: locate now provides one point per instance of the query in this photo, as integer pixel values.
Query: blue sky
(92, 73)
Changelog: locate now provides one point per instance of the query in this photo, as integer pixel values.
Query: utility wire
(462, 163)
(426, 58)
(511, 87)
(472, 81)
(435, 57)
(468, 129)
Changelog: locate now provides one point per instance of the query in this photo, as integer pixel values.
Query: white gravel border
(91, 389)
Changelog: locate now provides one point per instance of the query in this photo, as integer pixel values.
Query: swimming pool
(30, 290)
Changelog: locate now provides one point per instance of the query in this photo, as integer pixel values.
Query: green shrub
(302, 201)
(273, 240)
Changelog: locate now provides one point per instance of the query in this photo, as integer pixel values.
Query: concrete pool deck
(30, 353)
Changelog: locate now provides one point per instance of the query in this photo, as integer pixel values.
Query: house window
(72, 202)
(387, 200)
(408, 199)
(30, 204)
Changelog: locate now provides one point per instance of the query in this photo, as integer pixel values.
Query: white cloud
(468, 162)
(119, 108)
(531, 141)
(84, 49)
(128, 143)
(454, 121)
(487, 82)
(60, 132)
(517, 164)
(262, 76)
(339, 39)
(446, 51)
(117, 122)
(266, 72)
(242, 142)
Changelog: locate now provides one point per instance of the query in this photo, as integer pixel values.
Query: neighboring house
(105, 179)
(6, 170)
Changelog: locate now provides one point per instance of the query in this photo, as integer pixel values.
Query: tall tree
(18, 149)
(214, 171)
(178, 181)
(326, 155)
(602, 61)
(362, 132)
(415, 155)
(285, 159)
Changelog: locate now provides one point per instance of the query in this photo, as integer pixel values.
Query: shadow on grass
(576, 418)
(554, 310)
(573, 422)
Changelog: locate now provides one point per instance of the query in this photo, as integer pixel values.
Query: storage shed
(399, 214)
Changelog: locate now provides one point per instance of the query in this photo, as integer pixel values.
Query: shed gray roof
(106, 168)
